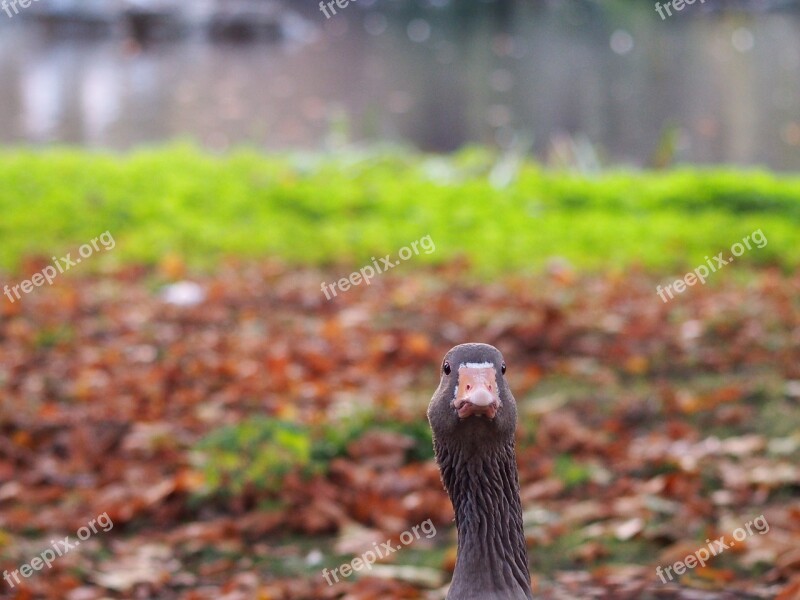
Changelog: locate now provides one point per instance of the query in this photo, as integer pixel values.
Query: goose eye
(446, 368)
(503, 368)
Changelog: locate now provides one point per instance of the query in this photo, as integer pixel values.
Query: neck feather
(484, 488)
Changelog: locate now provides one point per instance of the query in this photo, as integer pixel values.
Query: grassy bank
(345, 209)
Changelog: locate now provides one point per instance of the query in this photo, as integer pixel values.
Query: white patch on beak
(481, 397)
(483, 365)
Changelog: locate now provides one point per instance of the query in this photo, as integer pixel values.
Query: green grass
(322, 209)
(257, 452)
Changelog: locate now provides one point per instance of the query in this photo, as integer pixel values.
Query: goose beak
(476, 394)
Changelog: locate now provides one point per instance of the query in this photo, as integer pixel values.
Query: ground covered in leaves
(242, 432)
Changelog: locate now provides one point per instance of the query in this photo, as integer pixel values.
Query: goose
(473, 416)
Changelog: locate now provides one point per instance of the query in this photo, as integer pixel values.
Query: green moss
(258, 452)
(320, 209)
(571, 472)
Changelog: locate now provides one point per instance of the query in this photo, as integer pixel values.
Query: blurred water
(580, 85)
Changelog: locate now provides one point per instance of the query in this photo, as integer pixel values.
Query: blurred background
(190, 380)
(612, 78)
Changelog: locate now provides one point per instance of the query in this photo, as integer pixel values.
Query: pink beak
(477, 392)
